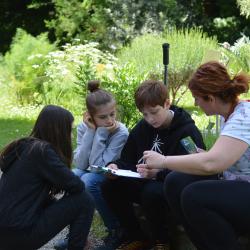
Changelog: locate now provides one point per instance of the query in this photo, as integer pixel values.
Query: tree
(17, 14)
(112, 23)
(219, 18)
(244, 7)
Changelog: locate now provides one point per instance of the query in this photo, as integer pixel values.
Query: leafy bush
(244, 7)
(112, 23)
(120, 81)
(237, 56)
(69, 70)
(187, 48)
(21, 64)
(122, 84)
(39, 75)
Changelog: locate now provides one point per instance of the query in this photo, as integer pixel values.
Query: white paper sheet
(118, 172)
(125, 173)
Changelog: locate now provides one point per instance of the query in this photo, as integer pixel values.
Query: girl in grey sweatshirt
(100, 139)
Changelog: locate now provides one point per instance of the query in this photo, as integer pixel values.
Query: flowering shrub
(67, 72)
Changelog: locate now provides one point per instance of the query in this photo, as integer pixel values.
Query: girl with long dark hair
(35, 168)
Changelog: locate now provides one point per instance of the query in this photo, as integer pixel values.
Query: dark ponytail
(97, 97)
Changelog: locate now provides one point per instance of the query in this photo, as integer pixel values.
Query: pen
(141, 160)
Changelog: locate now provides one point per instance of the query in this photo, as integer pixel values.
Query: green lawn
(13, 128)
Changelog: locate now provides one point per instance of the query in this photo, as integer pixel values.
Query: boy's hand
(148, 173)
(113, 127)
(89, 121)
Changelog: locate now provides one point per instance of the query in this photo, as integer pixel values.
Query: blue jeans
(93, 182)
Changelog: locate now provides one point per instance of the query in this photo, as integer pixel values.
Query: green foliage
(112, 23)
(21, 65)
(16, 14)
(122, 84)
(13, 128)
(76, 19)
(237, 56)
(132, 18)
(187, 48)
(209, 138)
(69, 70)
(15, 121)
(38, 75)
(120, 81)
(223, 27)
(244, 7)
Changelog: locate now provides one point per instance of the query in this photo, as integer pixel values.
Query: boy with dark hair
(161, 129)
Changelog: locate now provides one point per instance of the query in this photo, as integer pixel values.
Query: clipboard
(118, 172)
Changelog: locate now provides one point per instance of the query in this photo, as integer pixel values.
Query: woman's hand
(147, 172)
(200, 150)
(89, 121)
(113, 127)
(153, 160)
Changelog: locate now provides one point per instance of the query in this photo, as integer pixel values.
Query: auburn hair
(212, 78)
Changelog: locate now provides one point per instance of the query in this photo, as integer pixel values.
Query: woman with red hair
(209, 191)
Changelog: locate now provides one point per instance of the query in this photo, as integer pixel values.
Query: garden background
(50, 49)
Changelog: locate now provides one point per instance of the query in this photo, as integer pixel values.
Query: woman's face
(205, 105)
(105, 115)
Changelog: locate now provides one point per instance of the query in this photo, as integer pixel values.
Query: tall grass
(187, 49)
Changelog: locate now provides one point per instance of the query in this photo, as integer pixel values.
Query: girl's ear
(167, 104)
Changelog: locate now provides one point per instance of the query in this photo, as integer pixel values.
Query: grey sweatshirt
(98, 147)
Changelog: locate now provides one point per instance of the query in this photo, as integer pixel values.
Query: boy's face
(156, 116)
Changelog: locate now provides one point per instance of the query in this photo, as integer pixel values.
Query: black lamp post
(165, 47)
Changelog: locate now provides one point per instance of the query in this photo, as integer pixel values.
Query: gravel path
(92, 241)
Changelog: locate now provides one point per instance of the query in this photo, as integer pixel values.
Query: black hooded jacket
(29, 175)
(165, 141)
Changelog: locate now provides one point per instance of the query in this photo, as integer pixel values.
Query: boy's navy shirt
(165, 141)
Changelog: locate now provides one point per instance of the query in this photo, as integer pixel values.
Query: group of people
(206, 192)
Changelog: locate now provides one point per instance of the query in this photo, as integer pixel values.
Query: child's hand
(89, 121)
(112, 166)
(148, 173)
(109, 174)
(113, 127)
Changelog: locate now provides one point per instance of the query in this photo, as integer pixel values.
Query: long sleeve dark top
(26, 183)
(165, 141)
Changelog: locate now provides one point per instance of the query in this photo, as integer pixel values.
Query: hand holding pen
(152, 159)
